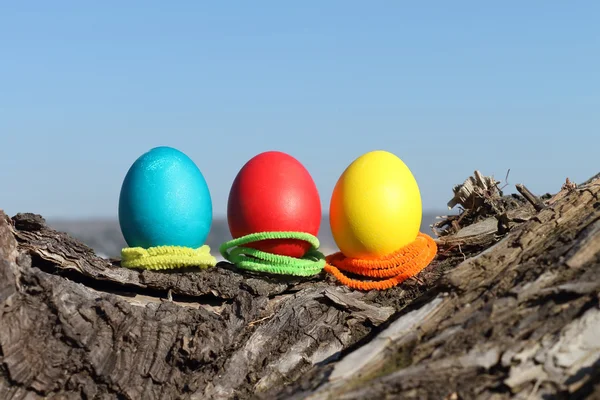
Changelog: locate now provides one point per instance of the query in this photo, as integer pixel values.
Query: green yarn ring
(256, 260)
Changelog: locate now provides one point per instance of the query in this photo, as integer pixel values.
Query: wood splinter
(472, 191)
(530, 197)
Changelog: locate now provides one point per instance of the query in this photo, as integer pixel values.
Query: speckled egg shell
(165, 201)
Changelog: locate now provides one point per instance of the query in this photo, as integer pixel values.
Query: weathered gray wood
(472, 190)
(73, 324)
(519, 320)
(367, 359)
(501, 313)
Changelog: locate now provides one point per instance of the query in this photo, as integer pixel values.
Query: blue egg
(165, 201)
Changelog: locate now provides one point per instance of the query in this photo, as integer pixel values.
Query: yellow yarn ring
(167, 257)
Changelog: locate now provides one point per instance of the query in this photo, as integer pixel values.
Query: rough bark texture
(506, 310)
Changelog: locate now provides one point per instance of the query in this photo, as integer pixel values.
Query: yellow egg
(375, 207)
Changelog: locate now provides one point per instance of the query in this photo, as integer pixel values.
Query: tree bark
(500, 313)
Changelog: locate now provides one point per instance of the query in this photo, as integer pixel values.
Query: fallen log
(519, 320)
(76, 325)
(501, 313)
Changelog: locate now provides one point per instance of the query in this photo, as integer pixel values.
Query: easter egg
(165, 201)
(375, 207)
(273, 192)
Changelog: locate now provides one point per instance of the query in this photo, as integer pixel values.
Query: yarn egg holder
(383, 272)
(250, 259)
(167, 257)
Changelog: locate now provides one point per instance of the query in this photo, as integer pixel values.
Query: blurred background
(449, 87)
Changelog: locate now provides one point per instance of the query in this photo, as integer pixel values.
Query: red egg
(273, 192)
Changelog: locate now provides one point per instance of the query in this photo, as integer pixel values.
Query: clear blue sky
(449, 87)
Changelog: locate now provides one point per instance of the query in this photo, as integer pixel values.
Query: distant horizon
(215, 216)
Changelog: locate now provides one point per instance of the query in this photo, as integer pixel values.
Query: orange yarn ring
(397, 266)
